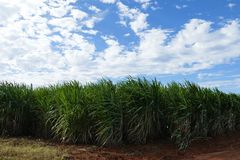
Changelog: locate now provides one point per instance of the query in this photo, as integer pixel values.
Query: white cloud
(132, 17)
(66, 22)
(90, 23)
(198, 38)
(108, 1)
(78, 14)
(60, 11)
(27, 36)
(127, 34)
(91, 31)
(144, 3)
(11, 10)
(94, 9)
(151, 42)
(231, 5)
(41, 49)
(203, 76)
(229, 83)
(197, 46)
(179, 7)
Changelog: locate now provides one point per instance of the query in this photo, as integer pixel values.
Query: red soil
(221, 148)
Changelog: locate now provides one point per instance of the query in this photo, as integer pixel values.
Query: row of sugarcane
(133, 111)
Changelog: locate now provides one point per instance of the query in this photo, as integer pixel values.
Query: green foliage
(18, 113)
(142, 109)
(106, 113)
(69, 113)
(109, 113)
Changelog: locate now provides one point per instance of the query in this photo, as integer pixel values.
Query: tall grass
(18, 112)
(107, 113)
(142, 109)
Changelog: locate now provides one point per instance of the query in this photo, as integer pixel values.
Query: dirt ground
(220, 148)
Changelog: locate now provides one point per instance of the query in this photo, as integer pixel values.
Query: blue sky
(51, 41)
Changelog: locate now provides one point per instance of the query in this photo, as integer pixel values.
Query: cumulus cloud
(108, 1)
(78, 14)
(197, 46)
(229, 83)
(132, 17)
(144, 3)
(41, 49)
(34, 45)
(203, 76)
(94, 9)
(179, 7)
(231, 5)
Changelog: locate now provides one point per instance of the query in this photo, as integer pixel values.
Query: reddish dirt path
(221, 148)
